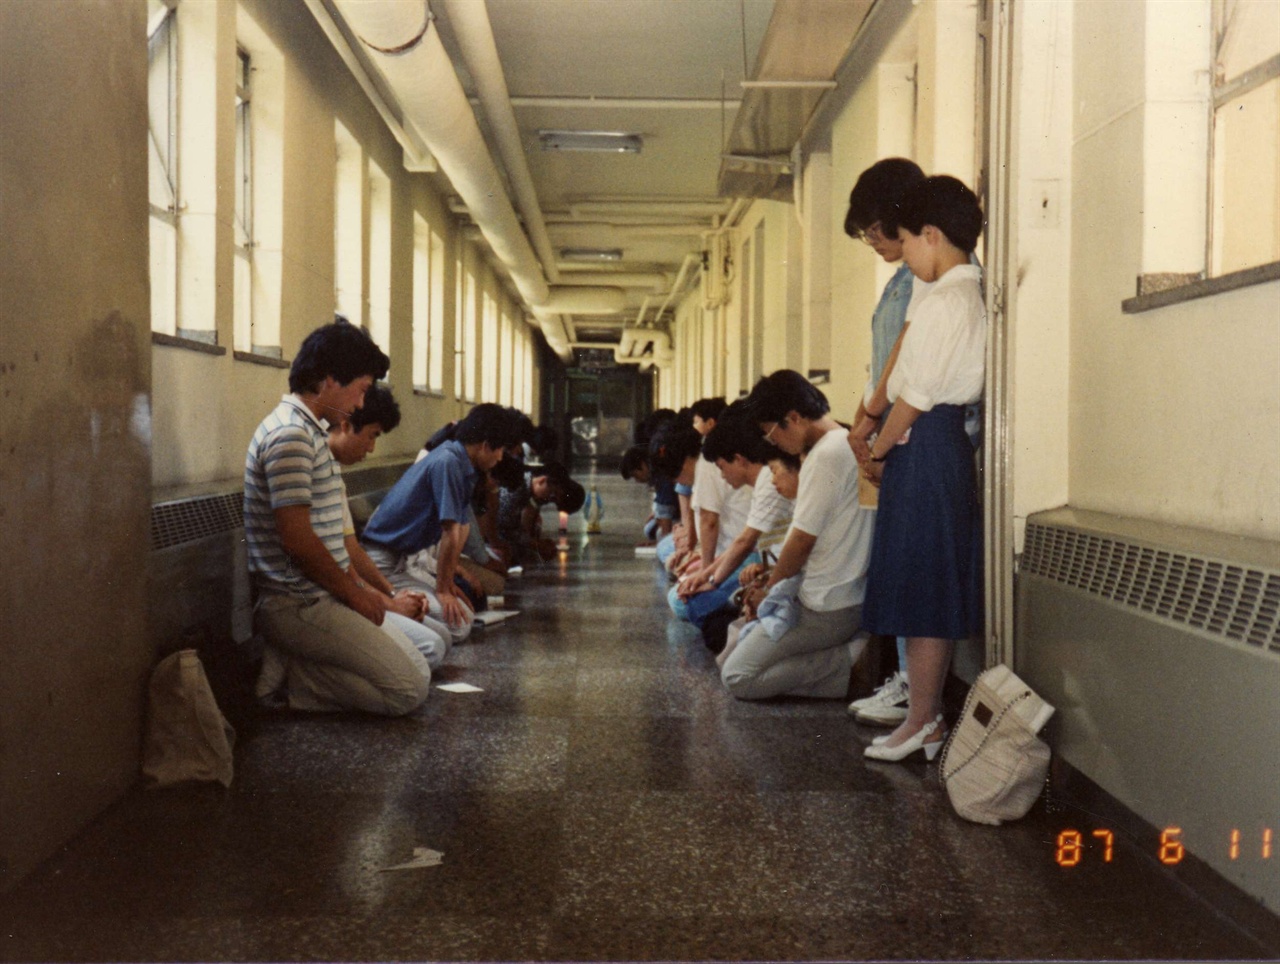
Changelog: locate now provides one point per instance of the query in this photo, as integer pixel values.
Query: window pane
(243, 311)
(380, 257)
(1246, 228)
(435, 357)
(489, 347)
(347, 227)
(1250, 34)
(471, 325)
(164, 253)
(422, 347)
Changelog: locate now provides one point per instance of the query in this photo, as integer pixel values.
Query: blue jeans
(697, 608)
(666, 548)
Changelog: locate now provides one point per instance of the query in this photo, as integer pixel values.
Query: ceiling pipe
(474, 33)
(417, 158)
(689, 261)
(433, 100)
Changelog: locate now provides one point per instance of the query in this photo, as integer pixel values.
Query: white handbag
(994, 766)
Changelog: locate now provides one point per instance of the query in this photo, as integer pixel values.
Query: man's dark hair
(775, 454)
(509, 472)
(546, 442)
(634, 458)
(948, 205)
(735, 434)
(571, 497)
(782, 392)
(705, 408)
(380, 406)
(877, 193)
(523, 425)
(652, 423)
(490, 423)
(670, 448)
(340, 350)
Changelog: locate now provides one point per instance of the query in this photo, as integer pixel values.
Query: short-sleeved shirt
(289, 463)
(770, 513)
(711, 493)
(511, 506)
(432, 491)
(897, 302)
(835, 575)
(943, 355)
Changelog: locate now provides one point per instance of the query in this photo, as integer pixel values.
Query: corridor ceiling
(671, 71)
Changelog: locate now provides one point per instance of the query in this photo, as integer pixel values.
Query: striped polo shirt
(289, 463)
(770, 513)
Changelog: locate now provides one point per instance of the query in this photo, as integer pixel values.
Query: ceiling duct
(432, 98)
(803, 47)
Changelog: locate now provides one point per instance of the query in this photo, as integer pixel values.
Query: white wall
(1175, 412)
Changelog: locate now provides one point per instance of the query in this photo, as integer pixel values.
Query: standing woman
(924, 580)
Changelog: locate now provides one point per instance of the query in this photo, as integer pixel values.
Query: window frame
(242, 214)
(1223, 91)
(165, 22)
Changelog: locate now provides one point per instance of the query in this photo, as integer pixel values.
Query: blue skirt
(925, 575)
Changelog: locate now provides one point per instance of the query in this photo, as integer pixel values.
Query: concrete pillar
(75, 439)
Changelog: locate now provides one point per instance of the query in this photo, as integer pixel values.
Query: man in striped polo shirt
(323, 628)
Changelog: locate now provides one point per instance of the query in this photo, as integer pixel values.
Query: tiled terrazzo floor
(601, 799)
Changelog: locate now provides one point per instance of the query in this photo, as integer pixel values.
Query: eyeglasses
(768, 436)
(871, 234)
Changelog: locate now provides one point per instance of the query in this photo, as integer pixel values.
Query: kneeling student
(351, 440)
(735, 448)
(328, 640)
(830, 540)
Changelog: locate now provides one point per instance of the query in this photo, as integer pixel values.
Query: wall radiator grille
(173, 523)
(1220, 598)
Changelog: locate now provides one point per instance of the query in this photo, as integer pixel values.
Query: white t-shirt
(918, 290)
(711, 493)
(835, 577)
(943, 356)
(770, 511)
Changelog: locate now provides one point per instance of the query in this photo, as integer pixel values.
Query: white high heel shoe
(912, 744)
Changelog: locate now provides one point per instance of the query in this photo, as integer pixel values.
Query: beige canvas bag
(994, 766)
(188, 738)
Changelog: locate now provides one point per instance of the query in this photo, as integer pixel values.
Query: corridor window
(505, 359)
(162, 154)
(380, 257)
(1245, 210)
(428, 307)
(348, 227)
(243, 220)
(490, 350)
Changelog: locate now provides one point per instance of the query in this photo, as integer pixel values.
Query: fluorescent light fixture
(608, 142)
(591, 254)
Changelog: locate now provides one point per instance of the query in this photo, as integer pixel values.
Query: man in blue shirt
(430, 506)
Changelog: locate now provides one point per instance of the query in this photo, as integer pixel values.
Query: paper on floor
(422, 857)
(491, 616)
(459, 688)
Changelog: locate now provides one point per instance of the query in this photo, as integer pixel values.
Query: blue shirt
(434, 490)
(889, 317)
(664, 491)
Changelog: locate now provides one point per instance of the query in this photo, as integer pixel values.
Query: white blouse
(943, 356)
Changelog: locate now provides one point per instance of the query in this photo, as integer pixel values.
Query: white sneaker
(887, 706)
